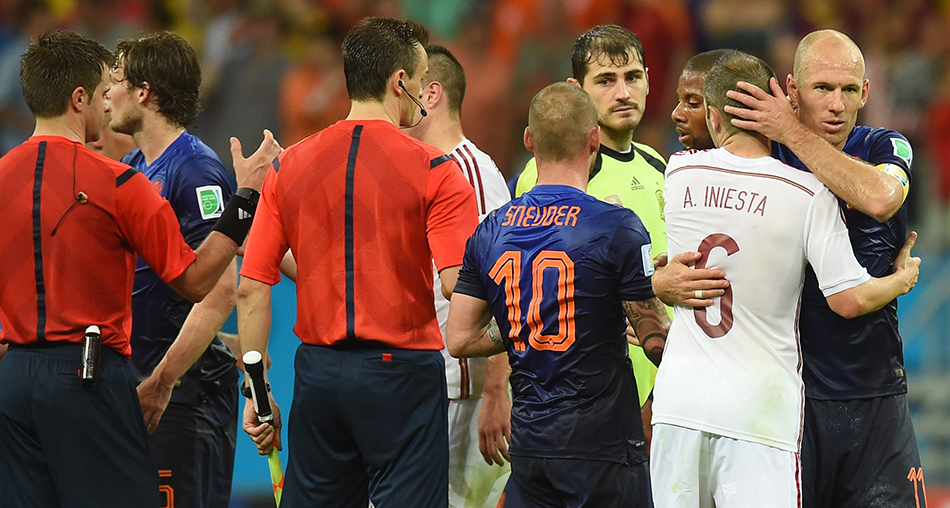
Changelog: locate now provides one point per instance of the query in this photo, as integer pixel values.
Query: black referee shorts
(859, 454)
(367, 425)
(68, 445)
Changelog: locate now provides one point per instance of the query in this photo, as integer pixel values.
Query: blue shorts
(367, 425)
(574, 483)
(859, 453)
(195, 451)
(68, 445)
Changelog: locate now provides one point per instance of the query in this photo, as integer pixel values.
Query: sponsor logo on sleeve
(903, 150)
(646, 254)
(210, 201)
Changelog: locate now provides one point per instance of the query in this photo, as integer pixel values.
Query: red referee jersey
(365, 210)
(54, 284)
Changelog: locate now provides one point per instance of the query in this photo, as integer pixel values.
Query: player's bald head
(560, 120)
(827, 47)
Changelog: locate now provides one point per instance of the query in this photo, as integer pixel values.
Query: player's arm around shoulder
(861, 184)
(878, 292)
(677, 282)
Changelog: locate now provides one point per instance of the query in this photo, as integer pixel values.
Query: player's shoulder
(764, 169)
(688, 156)
(882, 143)
(649, 150)
(874, 134)
(117, 168)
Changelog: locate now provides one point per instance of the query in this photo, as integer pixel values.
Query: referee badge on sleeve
(210, 201)
(646, 255)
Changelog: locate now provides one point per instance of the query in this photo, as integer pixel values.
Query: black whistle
(91, 350)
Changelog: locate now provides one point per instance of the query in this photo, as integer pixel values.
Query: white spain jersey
(465, 376)
(734, 369)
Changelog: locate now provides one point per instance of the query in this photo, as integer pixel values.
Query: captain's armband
(898, 173)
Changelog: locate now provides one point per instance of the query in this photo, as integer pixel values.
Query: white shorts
(694, 469)
(472, 482)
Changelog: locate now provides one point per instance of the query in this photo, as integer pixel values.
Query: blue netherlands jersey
(862, 357)
(554, 266)
(190, 176)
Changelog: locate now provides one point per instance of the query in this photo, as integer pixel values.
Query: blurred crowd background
(276, 64)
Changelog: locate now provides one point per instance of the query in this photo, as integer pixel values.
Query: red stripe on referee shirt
(478, 174)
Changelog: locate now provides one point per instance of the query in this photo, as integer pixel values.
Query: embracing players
(729, 402)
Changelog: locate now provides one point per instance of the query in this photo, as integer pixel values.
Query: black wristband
(236, 219)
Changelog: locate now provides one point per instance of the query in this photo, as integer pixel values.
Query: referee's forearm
(253, 304)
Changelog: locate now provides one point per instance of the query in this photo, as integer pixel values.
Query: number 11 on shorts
(916, 475)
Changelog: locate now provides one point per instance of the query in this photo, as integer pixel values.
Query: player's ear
(865, 89)
(594, 139)
(142, 94)
(792, 87)
(527, 140)
(574, 82)
(78, 99)
(396, 83)
(432, 93)
(713, 119)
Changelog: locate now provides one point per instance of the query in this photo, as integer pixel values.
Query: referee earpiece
(422, 109)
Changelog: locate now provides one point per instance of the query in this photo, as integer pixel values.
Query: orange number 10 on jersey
(507, 273)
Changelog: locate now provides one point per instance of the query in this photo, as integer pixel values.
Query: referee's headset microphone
(422, 109)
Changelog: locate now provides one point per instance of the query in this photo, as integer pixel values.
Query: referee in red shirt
(364, 209)
(73, 222)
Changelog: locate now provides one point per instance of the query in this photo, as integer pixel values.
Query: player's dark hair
(702, 62)
(169, 66)
(446, 69)
(560, 119)
(375, 49)
(611, 41)
(55, 65)
(731, 68)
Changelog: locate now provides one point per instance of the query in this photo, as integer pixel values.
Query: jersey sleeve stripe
(124, 177)
(478, 175)
(434, 163)
(744, 173)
